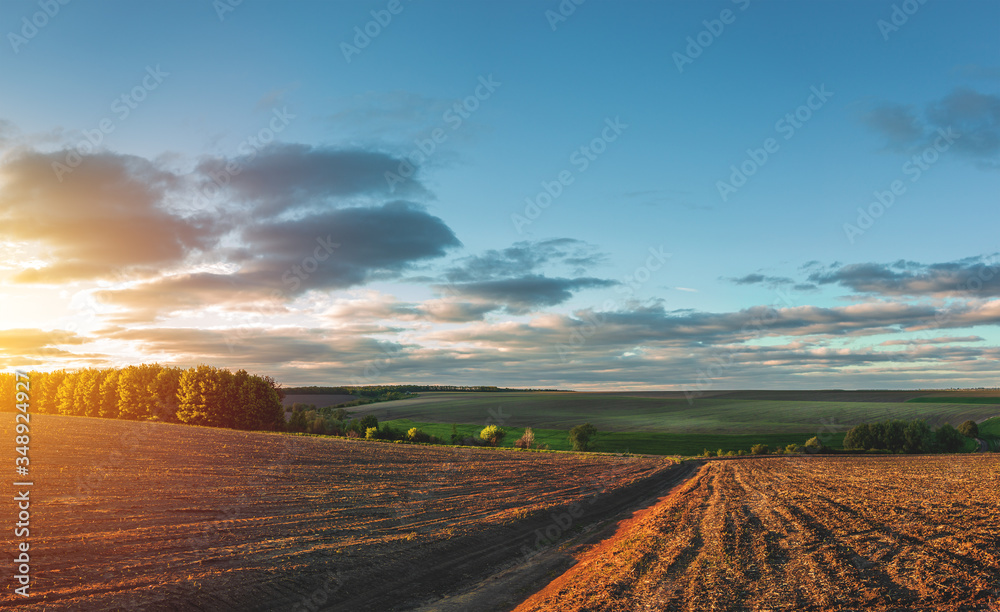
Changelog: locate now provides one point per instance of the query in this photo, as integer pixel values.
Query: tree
(969, 429)
(859, 436)
(199, 396)
(109, 395)
(65, 393)
(163, 390)
(760, 449)
(369, 420)
(527, 440)
(948, 439)
(581, 435)
(917, 436)
(493, 435)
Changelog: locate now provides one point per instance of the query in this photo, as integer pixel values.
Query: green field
(640, 442)
(628, 414)
(989, 430)
(955, 400)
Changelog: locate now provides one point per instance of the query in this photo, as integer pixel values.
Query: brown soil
(150, 516)
(812, 533)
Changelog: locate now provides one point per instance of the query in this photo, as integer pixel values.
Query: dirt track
(813, 533)
(141, 516)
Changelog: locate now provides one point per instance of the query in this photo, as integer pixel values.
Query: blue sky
(445, 276)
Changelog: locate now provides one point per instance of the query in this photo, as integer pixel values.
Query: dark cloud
(760, 279)
(975, 276)
(523, 294)
(511, 276)
(108, 214)
(286, 177)
(974, 116)
(897, 123)
(331, 250)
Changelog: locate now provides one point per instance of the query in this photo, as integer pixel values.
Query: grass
(627, 414)
(638, 442)
(954, 400)
(989, 430)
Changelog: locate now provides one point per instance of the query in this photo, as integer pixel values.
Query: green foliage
(371, 433)
(493, 435)
(969, 429)
(707, 453)
(759, 449)
(948, 439)
(897, 436)
(794, 448)
(581, 436)
(415, 435)
(367, 421)
(742, 453)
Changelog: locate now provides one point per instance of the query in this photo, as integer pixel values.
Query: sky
(591, 195)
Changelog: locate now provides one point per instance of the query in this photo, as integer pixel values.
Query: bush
(415, 435)
(759, 449)
(720, 453)
(581, 435)
(813, 445)
(371, 433)
(369, 420)
(707, 453)
(969, 429)
(493, 435)
(353, 433)
(527, 440)
(731, 453)
(742, 453)
(793, 448)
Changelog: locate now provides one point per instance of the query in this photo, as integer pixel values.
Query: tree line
(204, 395)
(914, 436)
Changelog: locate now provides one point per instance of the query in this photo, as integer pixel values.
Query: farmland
(666, 423)
(137, 515)
(811, 533)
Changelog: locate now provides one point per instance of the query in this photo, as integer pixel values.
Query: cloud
(526, 293)
(975, 276)
(939, 340)
(510, 276)
(760, 279)
(287, 177)
(109, 214)
(282, 259)
(374, 306)
(36, 342)
(897, 123)
(975, 116)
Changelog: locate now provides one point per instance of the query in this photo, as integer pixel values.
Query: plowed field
(813, 533)
(151, 516)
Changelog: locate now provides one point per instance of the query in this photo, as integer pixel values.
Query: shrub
(759, 449)
(969, 429)
(793, 448)
(527, 440)
(813, 445)
(493, 435)
(369, 420)
(742, 453)
(707, 453)
(720, 453)
(415, 435)
(581, 435)
(353, 433)
(371, 433)
(731, 453)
